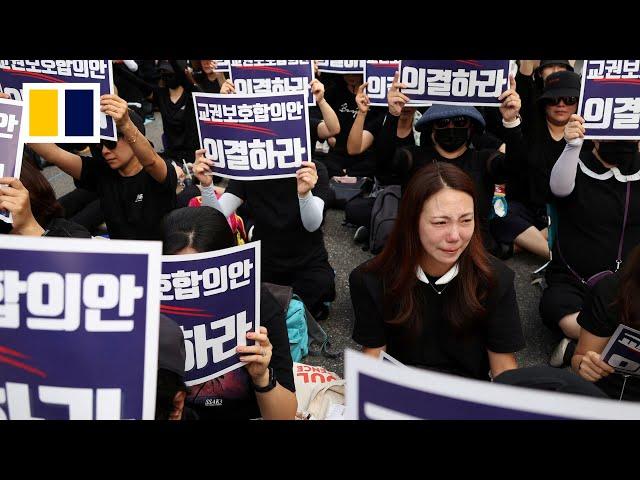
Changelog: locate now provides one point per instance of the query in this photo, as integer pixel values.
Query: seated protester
(613, 301)
(450, 128)
(135, 185)
(341, 96)
(365, 128)
(171, 390)
(434, 298)
(174, 100)
(528, 191)
(530, 78)
(265, 386)
(33, 206)
(362, 137)
(287, 217)
(289, 225)
(598, 225)
(206, 76)
(323, 121)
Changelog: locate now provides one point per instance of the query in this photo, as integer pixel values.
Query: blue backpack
(306, 336)
(297, 329)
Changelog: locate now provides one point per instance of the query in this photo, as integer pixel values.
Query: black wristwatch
(269, 386)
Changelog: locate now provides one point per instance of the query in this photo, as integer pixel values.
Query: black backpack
(383, 217)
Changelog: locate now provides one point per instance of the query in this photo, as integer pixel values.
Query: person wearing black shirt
(174, 100)
(450, 128)
(126, 89)
(530, 79)
(362, 137)
(135, 185)
(241, 393)
(34, 209)
(598, 224)
(528, 191)
(341, 95)
(614, 300)
(206, 76)
(287, 214)
(434, 298)
(367, 125)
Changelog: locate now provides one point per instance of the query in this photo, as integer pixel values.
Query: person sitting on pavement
(613, 301)
(287, 214)
(598, 224)
(265, 386)
(434, 298)
(135, 185)
(446, 131)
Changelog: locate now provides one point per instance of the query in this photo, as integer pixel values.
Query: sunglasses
(458, 122)
(110, 144)
(566, 100)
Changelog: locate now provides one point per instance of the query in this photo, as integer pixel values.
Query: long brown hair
(44, 205)
(396, 264)
(628, 299)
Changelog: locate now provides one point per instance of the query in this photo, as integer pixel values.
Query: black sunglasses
(566, 100)
(458, 122)
(110, 144)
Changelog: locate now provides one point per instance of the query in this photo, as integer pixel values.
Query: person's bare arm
(68, 162)
(117, 108)
(330, 125)
(360, 139)
(501, 362)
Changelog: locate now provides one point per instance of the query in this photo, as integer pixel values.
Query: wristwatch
(269, 386)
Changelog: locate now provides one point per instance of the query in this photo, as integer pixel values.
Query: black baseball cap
(548, 63)
(561, 84)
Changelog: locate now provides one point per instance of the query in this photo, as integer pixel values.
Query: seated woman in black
(446, 132)
(434, 298)
(232, 396)
(598, 223)
(614, 300)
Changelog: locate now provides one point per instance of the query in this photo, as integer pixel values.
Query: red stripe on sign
(263, 67)
(240, 126)
(630, 81)
(41, 76)
(470, 62)
(22, 366)
(182, 309)
(185, 314)
(8, 351)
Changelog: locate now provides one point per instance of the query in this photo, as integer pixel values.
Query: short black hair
(204, 229)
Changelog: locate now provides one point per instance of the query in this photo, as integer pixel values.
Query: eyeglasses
(458, 122)
(566, 100)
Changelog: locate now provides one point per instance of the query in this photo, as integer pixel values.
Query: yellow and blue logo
(61, 112)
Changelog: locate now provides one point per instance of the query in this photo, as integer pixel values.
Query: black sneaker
(361, 235)
(322, 313)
